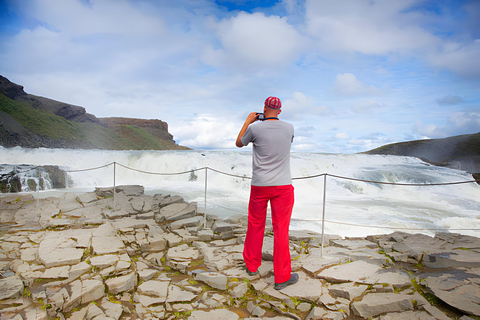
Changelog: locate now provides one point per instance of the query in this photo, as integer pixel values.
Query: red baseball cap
(273, 102)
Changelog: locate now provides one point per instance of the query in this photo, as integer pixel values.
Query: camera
(261, 116)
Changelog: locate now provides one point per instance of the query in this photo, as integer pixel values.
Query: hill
(32, 122)
(458, 152)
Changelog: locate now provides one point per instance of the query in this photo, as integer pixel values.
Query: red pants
(281, 201)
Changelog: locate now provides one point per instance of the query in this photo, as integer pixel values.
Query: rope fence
(324, 175)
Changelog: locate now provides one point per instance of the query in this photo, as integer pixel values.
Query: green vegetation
(87, 135)
(41, 122)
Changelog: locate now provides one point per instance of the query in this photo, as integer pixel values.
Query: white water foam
(353, 208)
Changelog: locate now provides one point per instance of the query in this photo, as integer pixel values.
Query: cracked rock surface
(88, 256)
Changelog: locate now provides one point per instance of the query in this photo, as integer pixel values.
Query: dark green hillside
(24, 125)
(461, 152)
(40, 122)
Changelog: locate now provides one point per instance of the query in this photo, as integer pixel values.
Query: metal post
(114, 185)
(323, 215)
(38, 185)
(205, 201)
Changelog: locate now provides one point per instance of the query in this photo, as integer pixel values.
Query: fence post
(205, 201)
(114, 185)
(323, 214)
(38, 186)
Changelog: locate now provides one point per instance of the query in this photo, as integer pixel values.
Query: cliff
(458, 152)
(31, 121)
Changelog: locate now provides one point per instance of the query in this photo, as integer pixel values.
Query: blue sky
(352, 75)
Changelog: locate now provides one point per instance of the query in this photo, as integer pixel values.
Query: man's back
(271, 152)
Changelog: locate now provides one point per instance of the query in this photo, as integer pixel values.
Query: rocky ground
(86, 256)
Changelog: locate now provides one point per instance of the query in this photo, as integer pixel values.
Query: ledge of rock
(92, 256)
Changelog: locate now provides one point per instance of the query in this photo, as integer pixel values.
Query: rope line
(380, 227)
(160, 173)
(89, 169)
(247, 177)
(402, 184)
(229, 174)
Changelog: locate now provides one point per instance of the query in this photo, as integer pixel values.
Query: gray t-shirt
(271, 152)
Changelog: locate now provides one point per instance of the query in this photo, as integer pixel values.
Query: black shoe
(250, 273)
(293, 280)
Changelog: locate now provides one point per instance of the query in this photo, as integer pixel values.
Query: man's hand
(252, 117)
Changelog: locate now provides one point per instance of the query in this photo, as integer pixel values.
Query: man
(271, 181)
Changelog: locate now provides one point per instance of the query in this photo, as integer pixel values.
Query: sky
(352, 75)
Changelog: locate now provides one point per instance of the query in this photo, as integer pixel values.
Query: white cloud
(342, 136)
(462, 59)
(369, 106)
(368, 27)
(457, 123)
(254, 41)
(78, 18)
(205, 131)
(348, 85)
(301, 106)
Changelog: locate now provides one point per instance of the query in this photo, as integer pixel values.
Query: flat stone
(213, 314)
(74, 296)
(354, 244)
(104, 261)
(213, 279)
(159, 289)
(267, 248)
(255, 310)
(131, 223)
(458, 287)
(314, 264)
(183, 253)
(316, 313)
(239, 290)
(364, 272)
(58, 249)
(92, 290)
(172, 239)
(112, 310)
(142, 203)
(220, 226)
(122, 284)
(56, 272)
(178, 211)
(374, 304)
(176, 294)
(205, 234)
(305, 289)
(455, 257)
(348, 290)
(278, 295)
(418, 315)
(87, 197)
(11, 288)
(78, 269)
(186, 223)
(29, 254)
(105, 240)
(131, 190)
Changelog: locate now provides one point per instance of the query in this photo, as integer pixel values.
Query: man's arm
(252, 117)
